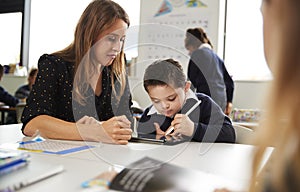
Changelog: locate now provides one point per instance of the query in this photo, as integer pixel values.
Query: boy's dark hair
(164, 72)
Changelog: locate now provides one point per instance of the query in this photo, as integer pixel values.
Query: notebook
(52, 146)
(148, 174)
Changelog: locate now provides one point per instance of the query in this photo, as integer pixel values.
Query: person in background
(5, 97)
(281, 125)
(172, 97)
(8, 100)
(206, 70)
(23, 91)
(82, 92)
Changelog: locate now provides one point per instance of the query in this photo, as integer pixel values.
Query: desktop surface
(230, 161)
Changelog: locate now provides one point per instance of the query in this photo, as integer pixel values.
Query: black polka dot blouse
(52, 94)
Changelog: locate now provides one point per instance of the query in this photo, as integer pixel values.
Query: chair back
(243, 134)
(19, 111)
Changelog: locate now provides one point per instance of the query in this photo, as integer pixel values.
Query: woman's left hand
(118, 129)
(87, 120)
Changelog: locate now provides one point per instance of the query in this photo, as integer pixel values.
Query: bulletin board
(163, 24)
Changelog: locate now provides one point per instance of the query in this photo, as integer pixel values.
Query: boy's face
(167, 100)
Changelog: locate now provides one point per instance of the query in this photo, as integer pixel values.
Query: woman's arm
(51, 127)
(115, 130)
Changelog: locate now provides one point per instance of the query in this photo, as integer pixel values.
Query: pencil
(187, 113)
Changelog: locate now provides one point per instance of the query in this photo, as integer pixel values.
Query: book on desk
(148, 174)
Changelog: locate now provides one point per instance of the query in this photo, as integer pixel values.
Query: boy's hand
(158, 130)
(182, 125)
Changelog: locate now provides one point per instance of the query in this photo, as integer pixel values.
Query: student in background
(281, 125)
(8, 99)
(172, 97)
(82, 91)
(206, 70)
(23, 91)
(5, 97)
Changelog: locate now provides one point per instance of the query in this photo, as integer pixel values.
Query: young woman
(281, 127)
(82, 91)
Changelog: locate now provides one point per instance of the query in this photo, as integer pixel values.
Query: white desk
(231, 161)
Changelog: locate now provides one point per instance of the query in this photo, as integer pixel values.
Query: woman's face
(167, 100)
(109, 43)
(189, 48)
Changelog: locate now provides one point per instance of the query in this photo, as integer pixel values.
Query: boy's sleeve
(213, 125)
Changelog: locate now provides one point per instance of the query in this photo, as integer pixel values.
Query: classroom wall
(11, 83)
(247, 94)
(250, 94)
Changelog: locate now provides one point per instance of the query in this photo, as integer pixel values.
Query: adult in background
(206, 70)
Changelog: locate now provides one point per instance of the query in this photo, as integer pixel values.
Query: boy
(171, 96)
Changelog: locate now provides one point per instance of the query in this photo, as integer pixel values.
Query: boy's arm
(213, 124)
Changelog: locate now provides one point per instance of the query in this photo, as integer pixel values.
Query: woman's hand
(115, 130)
(118, 129)
(182, 125)
(87, 120)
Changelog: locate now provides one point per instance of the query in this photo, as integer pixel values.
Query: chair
(243, 134)
(19, 111)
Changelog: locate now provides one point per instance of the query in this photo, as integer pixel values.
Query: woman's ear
(187, 86)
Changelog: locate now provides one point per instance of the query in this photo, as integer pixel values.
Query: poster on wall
(163, 24)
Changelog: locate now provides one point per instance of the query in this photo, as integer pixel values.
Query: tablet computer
(166, 140)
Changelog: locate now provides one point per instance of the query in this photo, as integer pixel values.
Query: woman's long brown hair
(96, 18)
(280, 128)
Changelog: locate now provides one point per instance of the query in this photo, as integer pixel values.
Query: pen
(134, 133)
(41, 177)
(187, 113)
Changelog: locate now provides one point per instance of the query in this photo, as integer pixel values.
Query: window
(11, 22)
(10, 38)
(244, 56)
(52, 28)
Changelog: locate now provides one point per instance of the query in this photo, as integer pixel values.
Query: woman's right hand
(118, 129)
